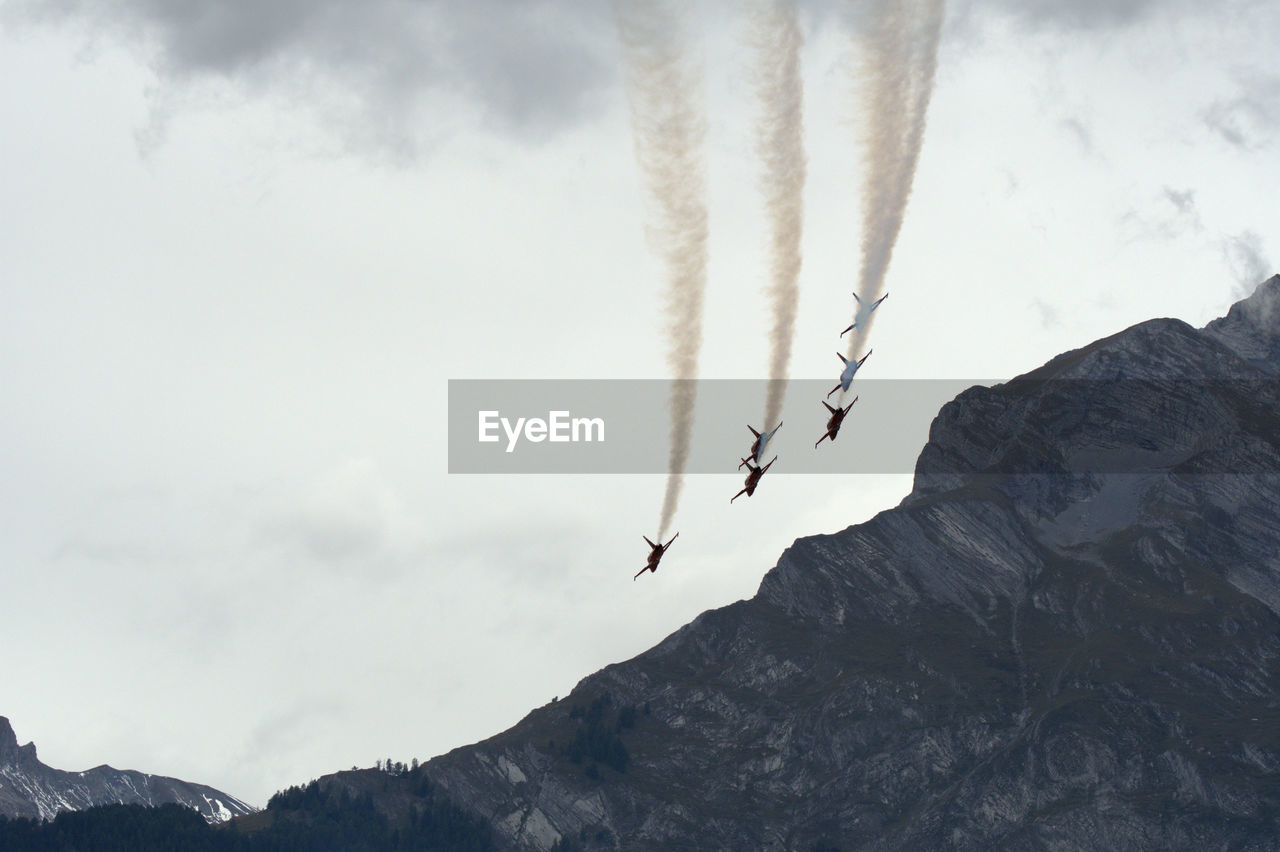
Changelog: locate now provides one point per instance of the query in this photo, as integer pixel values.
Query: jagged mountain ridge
(28, 788)
(1066, 636)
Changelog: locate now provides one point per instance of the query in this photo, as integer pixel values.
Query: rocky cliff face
(1067, 636)
(28, 788)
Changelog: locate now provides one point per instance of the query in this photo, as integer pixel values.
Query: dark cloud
(1251, 118)
(968, 20)
(1049, 316)
(1173, 215)
(526, 68)
(1184, 202)
(548, 65)
(402, 72)
(1179, 216)
(1069, 14)
(1079, 130)
(1080, 14)
(1247, 260)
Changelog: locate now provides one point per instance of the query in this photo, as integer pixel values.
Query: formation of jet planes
(753, 477)
(761, 442)
(850, 370)
(834, 421)
(655, 554)
(762, 439)
(860, 315)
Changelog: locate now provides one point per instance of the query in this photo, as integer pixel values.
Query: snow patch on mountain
(28, 788)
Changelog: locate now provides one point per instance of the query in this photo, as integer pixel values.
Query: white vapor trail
(669, 125)
(900, 55)
(780, 144)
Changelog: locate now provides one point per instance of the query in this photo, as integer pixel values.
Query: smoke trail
(900, 58)
(780, 89)
(668, 124)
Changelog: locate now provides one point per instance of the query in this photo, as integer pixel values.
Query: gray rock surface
(1067, 636)
(30, 789)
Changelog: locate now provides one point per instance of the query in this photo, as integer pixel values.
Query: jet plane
(655, 554)
(834, 421)
(861, 314)
(753, 478)
(761, 442)
(850, 370)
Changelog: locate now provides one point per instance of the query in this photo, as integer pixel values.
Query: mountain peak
(28, 788)
(10, 752)
(8, 740)
(1252, 326)
(1260, 307)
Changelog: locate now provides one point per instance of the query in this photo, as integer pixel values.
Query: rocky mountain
(28, 788)
(1067, 636)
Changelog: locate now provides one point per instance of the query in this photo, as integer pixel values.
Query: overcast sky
(245, 245)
